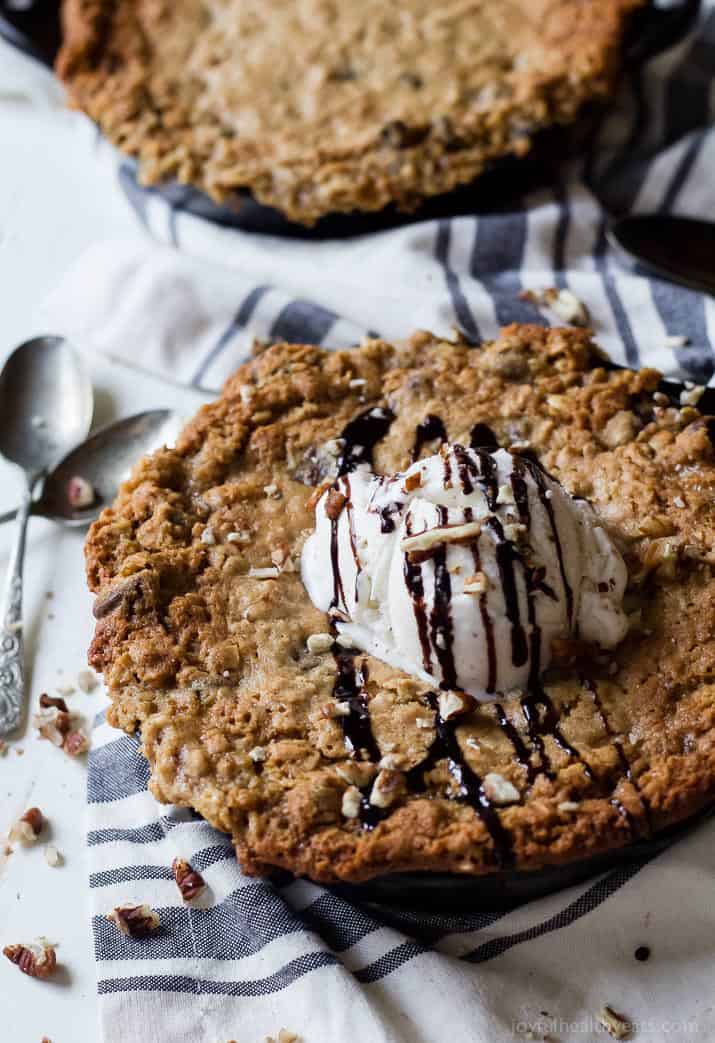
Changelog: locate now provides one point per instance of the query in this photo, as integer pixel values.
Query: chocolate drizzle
(624, 764)
(361, 436)
(482, 437)
(523, 755)
(338, 590)
(429, 430)
(538, 476)
(546, 721)
(350, 691)
(436, 631)
(387, 522)
(359, 738)
(506, 558)
(487, 623)
(359, 439)
(441, 629)
(412, 572)
(470, 786)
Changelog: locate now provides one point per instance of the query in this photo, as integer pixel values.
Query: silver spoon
(103, 461)
(46, 404)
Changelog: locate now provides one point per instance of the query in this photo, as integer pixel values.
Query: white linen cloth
(256, 956)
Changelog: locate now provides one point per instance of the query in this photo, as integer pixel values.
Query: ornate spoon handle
(11, 645)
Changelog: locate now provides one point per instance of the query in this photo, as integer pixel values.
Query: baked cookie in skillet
(316, 107)
(588, 722)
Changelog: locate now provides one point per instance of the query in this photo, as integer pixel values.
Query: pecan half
(136, 921)
(108, 602)
(38, 960)
(48, 702)
(190, 883)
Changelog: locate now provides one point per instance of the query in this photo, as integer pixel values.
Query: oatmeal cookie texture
(330, 763)
(316, 107)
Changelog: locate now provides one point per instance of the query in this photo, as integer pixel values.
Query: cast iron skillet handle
(32, 27)
(658, 27)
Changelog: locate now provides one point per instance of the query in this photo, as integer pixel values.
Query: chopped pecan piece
(28, 828)
(317, 643)
(426, 541)
(388, 787)
(334, 504)
(615, 1024)
(38, 960)
(80, 492)
(190, 883)
(53, 724)
(86, 681)
(351, 802)
(53, 856)
(76, 743)
(113, 598)
(136, 921)
(561, 301)
(454, 703)
(499, 790)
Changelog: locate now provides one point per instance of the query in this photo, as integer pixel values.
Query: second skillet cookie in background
(317, 108)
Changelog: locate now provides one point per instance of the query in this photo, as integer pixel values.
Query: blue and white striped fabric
(254, 956)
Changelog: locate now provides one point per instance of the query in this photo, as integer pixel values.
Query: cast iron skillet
(33, 26)
(508, 888)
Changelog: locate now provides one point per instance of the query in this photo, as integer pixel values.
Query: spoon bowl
(46, 403)
(678, 249)
(104, 460)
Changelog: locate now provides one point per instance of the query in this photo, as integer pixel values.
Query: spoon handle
(9, 515)
(11, 644)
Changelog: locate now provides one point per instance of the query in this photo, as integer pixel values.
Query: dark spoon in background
(679, 249)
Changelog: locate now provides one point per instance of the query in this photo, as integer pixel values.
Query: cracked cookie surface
(210, 645)
(316, 107)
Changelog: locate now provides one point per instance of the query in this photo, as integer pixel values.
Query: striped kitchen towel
(254, 956)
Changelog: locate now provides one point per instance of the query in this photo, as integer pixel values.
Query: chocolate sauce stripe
(361, 436)
(446, 747)
(482, 437)
(523, 755)
(436, 632)
(505, 561)
(487, 623)
(441, 628)
(549, 508)
(351, 533)
(625, 764)
(357, 729)
(412, 572)
(428, 430)
(350, 689)
(338, 591)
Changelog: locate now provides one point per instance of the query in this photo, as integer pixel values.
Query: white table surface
(45, 222)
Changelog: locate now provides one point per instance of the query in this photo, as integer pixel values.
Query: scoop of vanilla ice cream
(463, 569)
